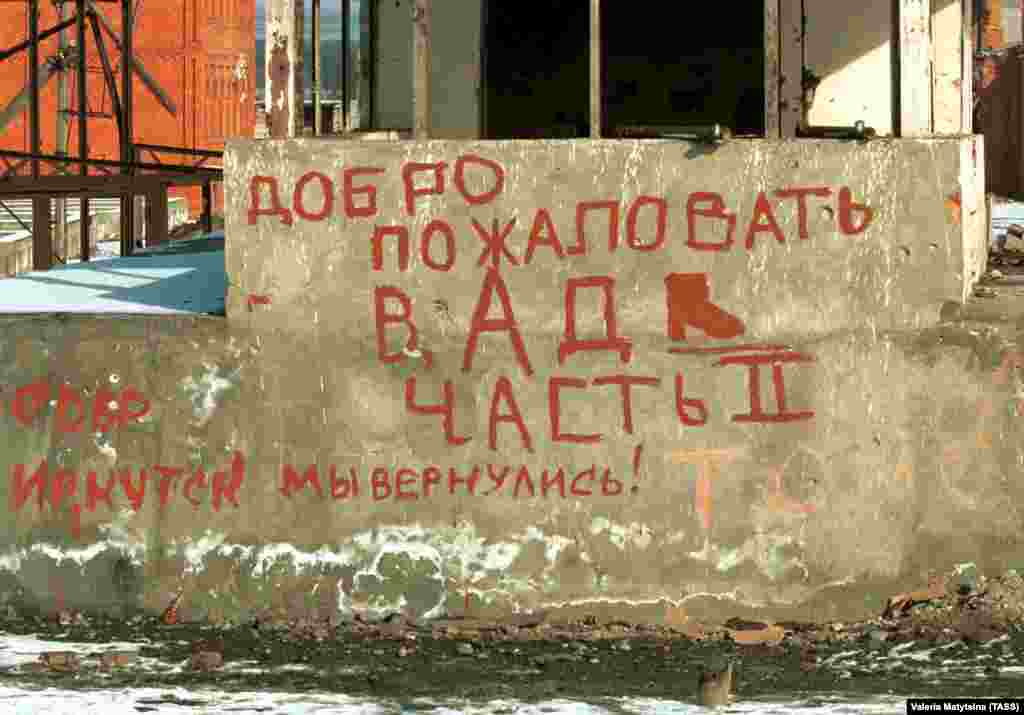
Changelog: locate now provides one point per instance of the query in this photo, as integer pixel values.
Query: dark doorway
(683, 63)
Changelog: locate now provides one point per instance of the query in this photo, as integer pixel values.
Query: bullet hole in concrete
(933, 246)
(827, 213)
(905, 251)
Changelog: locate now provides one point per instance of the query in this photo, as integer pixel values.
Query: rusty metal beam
(772, 63)
(180, 150)
(210, 173)
(84, 217)
(596, 104)
(42, 245)
(49, 32)
(140, 70)
(113, 185)
(17, 105)
(108, 74)
(33, 82)
(344, 61)
(317, 72)
(156, 216)
(206, 218)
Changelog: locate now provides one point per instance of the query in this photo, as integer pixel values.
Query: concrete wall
(455, 71)
(785, 451)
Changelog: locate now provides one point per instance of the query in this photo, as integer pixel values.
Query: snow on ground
(55, 701)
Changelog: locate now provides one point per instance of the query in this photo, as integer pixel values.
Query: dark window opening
(682, 64)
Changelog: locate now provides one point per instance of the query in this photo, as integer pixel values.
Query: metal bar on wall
(791, 66)
(108, 75)
(127, 67)
(317, 71)
(49, 32)
(421, 70)
(595, 70)
(84, 219)
(343, 61)
(42, 245)
(772, 117)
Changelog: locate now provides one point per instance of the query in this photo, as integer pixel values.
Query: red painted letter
(846, 210)
(582, 209)
(494, 243)
(446, 409)
(754, 362)
(549, 237)
(409, 172)
(682, 403)
(801, 204)
(625, 384)
(716, 210)
(555, 385)
(275, 200)
(661, 206)
(503, 389)
(612, 341)
(381, 294)
(326, 188)
(482, 324)
(350, 190)
(763, 210)
(431, 230)
(460, 179)
(382, 232)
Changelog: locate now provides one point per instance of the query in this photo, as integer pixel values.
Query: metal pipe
(128, 236)
(344, 61)
(84, 219)
(595, 69)
(33, 82)
(317, 74)
(858, 131)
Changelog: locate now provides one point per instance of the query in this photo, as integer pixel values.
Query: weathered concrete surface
(896, 272)
(909, 463)
(806, 433)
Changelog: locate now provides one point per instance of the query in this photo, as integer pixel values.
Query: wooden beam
(156, 215)
(421, 70)
(915, 75)
(42, 244)
(772, 61)
(791, 65)
(596, 108)
(967, 69)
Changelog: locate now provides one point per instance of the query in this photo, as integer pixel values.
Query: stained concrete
(897, 453)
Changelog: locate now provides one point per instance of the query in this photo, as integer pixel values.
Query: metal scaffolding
(134, 177)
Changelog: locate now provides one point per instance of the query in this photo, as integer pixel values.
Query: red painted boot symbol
(688, 304)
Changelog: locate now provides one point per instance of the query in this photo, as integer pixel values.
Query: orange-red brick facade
(201, 52)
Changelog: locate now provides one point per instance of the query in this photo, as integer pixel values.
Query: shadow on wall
(839, 38)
